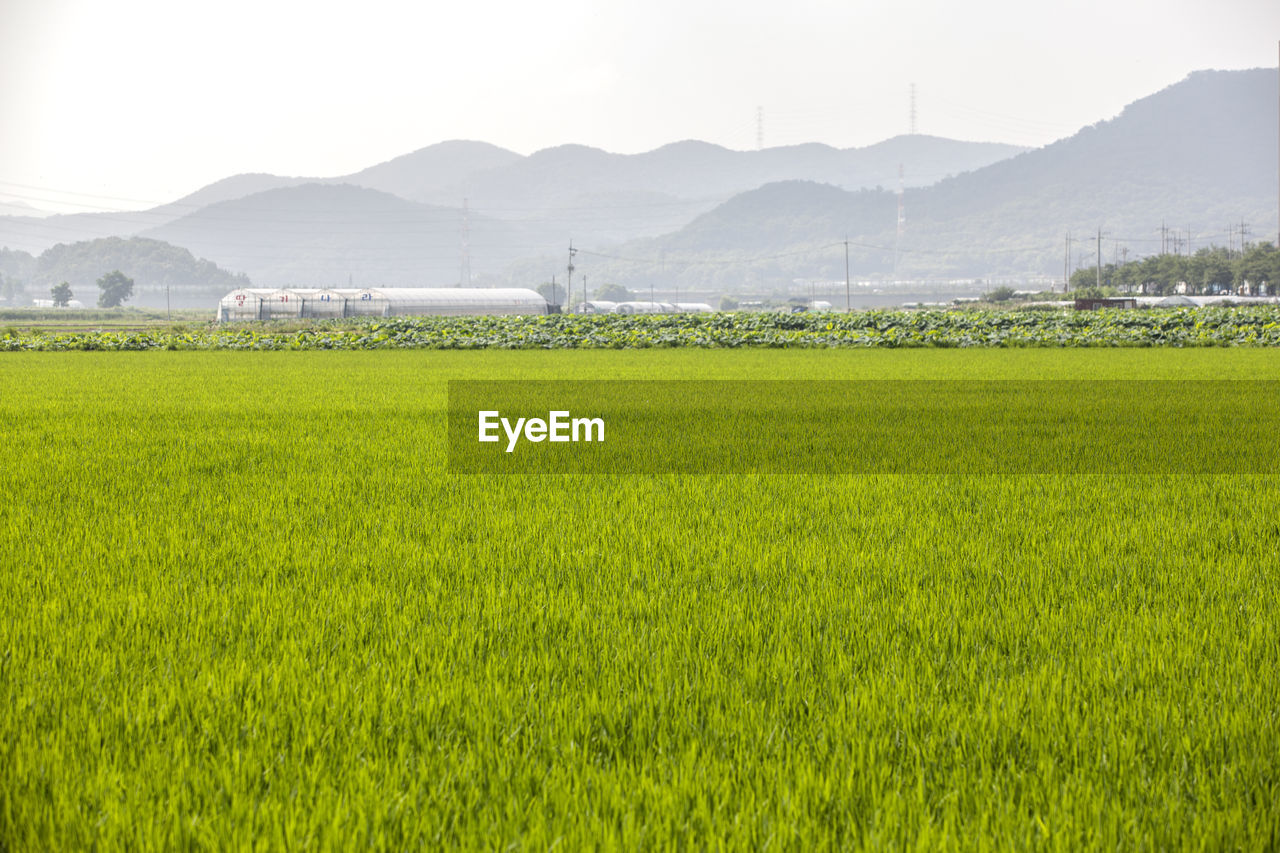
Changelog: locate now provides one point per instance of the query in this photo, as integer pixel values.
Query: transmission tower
(912, 124)
(759, 128)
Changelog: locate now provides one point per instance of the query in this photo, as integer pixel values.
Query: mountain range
(405, 221)
(1198, 157)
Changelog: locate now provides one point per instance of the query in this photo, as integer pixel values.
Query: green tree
(1211, 270)
(552, 292)
(1171, 270)
(1260, 265)
(1000, 294)
(613, 293)
(116, 287)
(728, 303)
(61, 295)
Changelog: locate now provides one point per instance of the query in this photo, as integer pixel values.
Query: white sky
(130, 103)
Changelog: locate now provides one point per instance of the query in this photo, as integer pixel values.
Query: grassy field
(244, 604)
(83, 320)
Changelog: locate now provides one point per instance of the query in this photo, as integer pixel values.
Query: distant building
(1090, 303)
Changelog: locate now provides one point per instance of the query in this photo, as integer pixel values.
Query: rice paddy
(244, 603)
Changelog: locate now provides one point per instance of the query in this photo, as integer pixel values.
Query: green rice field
(244, 604)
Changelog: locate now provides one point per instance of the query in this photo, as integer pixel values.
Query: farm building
(1096, 303)
(282, 303)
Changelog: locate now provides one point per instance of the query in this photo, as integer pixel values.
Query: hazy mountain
(15, 207)
(227, 189)
(437, 173)
(1199, 155)
(323, 234)
(568, 191)
(699, 170)
(597, 196)
(35, 234)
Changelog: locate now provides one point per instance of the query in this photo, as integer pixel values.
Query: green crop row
(244, 605)
(1253, 326)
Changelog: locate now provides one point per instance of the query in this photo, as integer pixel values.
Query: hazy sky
(136, 102)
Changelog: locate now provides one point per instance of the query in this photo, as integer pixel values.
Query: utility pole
(584, 289)
(848, 301)
(568, 287)
(1099, 257)
(1066, 267)
(167, 309)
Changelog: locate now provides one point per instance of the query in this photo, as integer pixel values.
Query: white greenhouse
(645, 308)
(663, 308)
(598, 306)
(274, 304)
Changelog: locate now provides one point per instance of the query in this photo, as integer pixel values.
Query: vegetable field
(1201, 327)
(243, 603)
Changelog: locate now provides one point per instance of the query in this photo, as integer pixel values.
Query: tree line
(1253, 272)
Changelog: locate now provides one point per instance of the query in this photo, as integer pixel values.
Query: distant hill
(322, 234)
(1199, 155)
(12, 207)
(152, 264)
(436, 174)
(16, 264)
(162, 273)
(15, 271)
(34, 234)
(227, 189)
